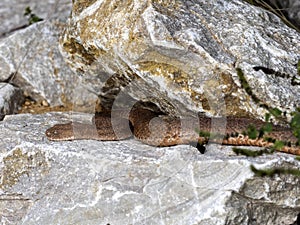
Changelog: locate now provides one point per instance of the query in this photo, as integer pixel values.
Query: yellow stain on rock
(21, 163)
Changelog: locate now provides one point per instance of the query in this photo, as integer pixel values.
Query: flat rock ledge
(127, 182)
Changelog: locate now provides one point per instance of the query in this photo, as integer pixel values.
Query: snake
(163, 130)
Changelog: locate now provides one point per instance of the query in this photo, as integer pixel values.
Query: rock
(289, 8)
(10, 98)
(183, 55)
(293, 12)
(32, 54)
(12, 13)
(256, 200)
(127, 182)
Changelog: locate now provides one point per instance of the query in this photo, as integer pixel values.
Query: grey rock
(254, 204)
(12, 12)
(10, 99)
(289, 8)
(127, 182)
(183, 55)
(31, 60)
(293, 11)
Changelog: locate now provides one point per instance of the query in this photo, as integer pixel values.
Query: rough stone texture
(127, 182)
(293, 11)
(183, 55)
(31, 60)
(290, 8)
(256, 200)
(12, 12)
(10, 98)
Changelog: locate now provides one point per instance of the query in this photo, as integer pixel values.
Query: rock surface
(289, 8)
(32, 54)
(30, 59)
(187, 61)
(127, 182)
(12, 12)
(10, 99)
(183, 55)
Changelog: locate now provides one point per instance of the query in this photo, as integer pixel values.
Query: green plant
(295, 124)
(251, 153)
(32, 18)
(253, 133)
(275, 112)
(273, 171)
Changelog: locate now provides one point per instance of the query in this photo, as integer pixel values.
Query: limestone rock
(256, 200)
(10, 98)
(127, 182)
(12, 13)
(31, 60)
(183, 55)
(289, 8)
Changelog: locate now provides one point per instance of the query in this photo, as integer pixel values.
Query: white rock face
(183, 55)
(32, 54)
(12, 12)
(178, 54)
(127, 182)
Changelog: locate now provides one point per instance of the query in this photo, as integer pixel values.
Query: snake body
(167, 131)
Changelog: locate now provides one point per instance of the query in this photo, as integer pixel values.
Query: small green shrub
(32, 18)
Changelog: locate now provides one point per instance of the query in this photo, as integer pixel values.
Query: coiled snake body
(167, 131)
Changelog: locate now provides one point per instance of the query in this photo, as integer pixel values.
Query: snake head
(60, 132)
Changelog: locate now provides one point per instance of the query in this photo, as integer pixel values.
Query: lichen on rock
(186, 53)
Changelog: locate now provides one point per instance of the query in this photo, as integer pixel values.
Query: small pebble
(27, 103)
(45, 103)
